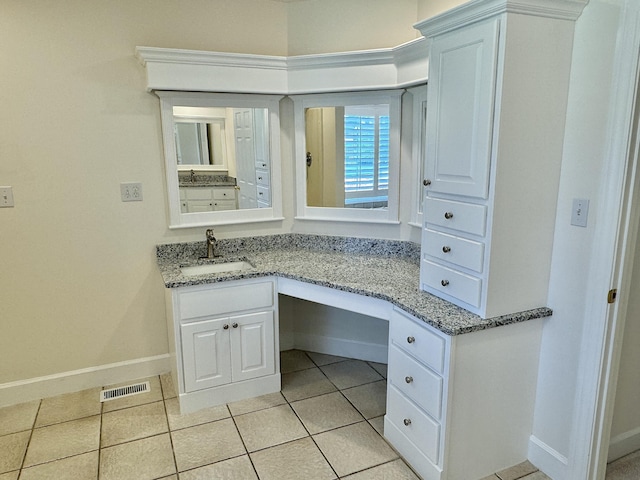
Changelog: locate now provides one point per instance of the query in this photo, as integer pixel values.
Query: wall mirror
(222, 158)
(348, 156)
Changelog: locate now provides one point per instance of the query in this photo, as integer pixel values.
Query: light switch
(579, 212)
(6, 197)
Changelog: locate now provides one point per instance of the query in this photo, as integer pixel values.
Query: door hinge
(611, 296)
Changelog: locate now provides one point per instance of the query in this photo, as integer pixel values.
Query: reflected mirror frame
(301, 104)
(177, 219)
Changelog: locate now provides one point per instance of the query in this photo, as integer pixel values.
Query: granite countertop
(388, 270)
(199, 180)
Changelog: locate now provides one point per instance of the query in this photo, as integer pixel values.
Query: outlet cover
(131, 192)
(6, 197)
(579, 212)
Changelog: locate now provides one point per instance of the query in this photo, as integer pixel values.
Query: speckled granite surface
(205, 180)
(383, 269)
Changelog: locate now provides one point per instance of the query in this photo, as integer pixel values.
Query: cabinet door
(205, 354)
(462, 78)
(252, 345)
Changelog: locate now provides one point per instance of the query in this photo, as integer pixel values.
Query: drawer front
(416, 381)
(199, 193)
(218, 300)
(264, 194)
(452, 282)
(262, 164)
(417, 340)
(422, 430)
(224, 193)
(224, 205)
(262, 178)
(464, 217)
(460, 251)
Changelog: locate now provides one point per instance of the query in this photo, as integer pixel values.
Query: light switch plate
(579, 212)
(131, 192)
(6, 197)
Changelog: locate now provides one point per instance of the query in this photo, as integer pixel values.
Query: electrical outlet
(131, 192)
(6, 197)
(579, 212)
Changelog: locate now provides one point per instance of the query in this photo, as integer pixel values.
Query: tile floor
(324, 424)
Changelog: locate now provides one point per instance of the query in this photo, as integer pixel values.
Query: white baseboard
(341, 347)
(624, 444)
(76, 380)
(551, 462)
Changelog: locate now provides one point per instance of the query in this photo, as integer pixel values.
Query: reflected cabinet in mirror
(347, 156)
(222, 158)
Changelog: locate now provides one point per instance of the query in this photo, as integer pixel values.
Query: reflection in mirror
(218, 150)
(350, 143)
(347, 156)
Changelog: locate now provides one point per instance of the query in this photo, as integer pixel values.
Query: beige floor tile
(396, 470)
(305, 384)
(144, 459)
(204, 415)
(10, 475)
(296, 460)
(80, 467)
(324, 359)
(204, 444)
(238, 468)
(18, 418)
(354, 448)
(370, 399)
(133, 423)
(350, 373)
(378, 424)
(294, 360)
(12, 448)
(169, 389)
(517, 471)
(325, 412)
(491, 477)
(63, 440)
(170, 477)
(266, 428)
(154, 395)
(70, 406)
(542, 476)
(381, 368)
(257, 403)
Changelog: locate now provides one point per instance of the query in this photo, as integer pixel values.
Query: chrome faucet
(192, 176)
(212, 244)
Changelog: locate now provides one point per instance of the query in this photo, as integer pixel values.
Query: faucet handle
(210, 235)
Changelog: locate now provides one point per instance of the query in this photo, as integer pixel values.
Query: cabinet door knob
(235, 325)
(410, 339)
(448, 215)
(407, 421)
(444, 283)
(426, 182)
(408, 379)
(226, 326)
(446, 249)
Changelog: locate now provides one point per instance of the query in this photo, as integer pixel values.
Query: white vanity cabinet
(208, 199)
(225, 341)
(461, 407)
(493, 151)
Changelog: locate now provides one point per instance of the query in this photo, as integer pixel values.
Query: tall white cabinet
(498, 81)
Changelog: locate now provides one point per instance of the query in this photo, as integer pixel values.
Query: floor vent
(119, 392)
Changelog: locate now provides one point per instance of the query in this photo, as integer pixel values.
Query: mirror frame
(177, 219)
(358, 215)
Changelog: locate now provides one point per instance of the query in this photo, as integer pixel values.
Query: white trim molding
(194, 70)
(36, 388)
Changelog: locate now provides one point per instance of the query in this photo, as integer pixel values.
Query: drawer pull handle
(408, 379)
(235, 325)
(225, 326)
(444, 283)
(446, 249)
(407, 421)
(448, 215)
(410, 339)
(426, 182)
(259, 178)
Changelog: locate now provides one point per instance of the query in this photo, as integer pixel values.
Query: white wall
(80, 287)
(583, 159)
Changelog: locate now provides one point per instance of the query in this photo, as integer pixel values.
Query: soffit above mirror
(193, 70)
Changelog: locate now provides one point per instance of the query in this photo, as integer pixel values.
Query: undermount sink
(216, 268)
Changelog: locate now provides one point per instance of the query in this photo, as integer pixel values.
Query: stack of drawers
(453, 249)
(416, 384)
(263, 185)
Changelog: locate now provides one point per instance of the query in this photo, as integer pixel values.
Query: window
(366, 155)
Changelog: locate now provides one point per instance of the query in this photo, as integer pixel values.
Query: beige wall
(79, 284)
